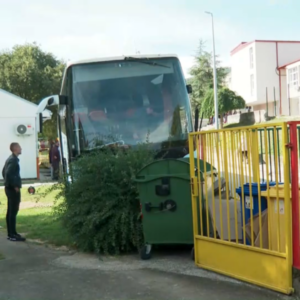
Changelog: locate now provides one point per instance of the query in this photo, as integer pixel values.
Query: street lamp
(215, 73)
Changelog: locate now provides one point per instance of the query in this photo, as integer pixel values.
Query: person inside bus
(143, 126)
(160, 118)
(167, 98)
(143, 117)
(100, 122)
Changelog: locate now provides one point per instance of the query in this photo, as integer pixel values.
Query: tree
(202, 74)
(32, 74)
(227, 100)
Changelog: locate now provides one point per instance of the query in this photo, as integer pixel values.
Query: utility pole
(215, 73)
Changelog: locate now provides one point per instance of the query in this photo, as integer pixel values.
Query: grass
(241, 124)
(24, 181)
(35, 218)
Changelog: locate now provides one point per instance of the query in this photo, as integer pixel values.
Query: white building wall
(284, 98)
(288, 52)
(13, 106)
(15, 111)
(293, 88)
(240, 73)
(266, 76)
(228, 81)
(28, 143)
(267, 55)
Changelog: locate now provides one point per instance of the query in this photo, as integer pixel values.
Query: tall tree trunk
(221, 120)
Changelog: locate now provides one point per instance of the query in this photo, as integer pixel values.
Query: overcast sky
(80, 29)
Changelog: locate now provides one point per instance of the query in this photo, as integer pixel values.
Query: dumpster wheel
(145, 252)
(193, 254)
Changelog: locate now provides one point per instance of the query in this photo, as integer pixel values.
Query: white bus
(124, 101)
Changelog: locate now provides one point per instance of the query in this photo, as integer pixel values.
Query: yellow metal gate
(241, 211)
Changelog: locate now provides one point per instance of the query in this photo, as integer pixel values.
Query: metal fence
(241, 207)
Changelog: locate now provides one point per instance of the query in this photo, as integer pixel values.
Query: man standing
(50, 157)
(55, 159)
(13, 184)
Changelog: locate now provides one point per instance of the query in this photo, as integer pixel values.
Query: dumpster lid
(164, 168)
(179, 168)
(209, 166)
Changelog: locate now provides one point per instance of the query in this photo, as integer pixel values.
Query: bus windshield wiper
(146, 61)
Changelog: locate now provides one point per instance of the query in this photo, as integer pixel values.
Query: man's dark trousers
(13, 204)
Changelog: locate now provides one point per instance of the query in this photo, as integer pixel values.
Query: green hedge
(101, 209)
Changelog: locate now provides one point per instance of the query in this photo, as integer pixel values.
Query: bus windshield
(129, 102)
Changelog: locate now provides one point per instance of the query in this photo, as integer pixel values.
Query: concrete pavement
(35, 272)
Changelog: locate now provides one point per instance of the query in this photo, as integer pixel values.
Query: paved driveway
(35, 272)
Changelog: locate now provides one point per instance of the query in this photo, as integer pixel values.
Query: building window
(251, 57)
(252, 85)
(293, 77)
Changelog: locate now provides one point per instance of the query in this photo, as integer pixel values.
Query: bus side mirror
(51, 101)
(57, 99)
(63, 100)
(189, 88)
(41, 122)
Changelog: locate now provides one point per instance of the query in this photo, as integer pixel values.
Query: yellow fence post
(254, 154)
(287, 203)
(194, 185)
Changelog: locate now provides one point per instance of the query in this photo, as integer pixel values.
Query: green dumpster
(165, 197)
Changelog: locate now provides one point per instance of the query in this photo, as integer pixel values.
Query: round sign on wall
(31, 190)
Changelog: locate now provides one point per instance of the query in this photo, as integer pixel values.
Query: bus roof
(94, 60)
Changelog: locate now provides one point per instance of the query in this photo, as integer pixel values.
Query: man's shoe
(23, 239)
(17, 238)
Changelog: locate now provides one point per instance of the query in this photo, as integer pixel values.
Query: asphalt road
(35, 272)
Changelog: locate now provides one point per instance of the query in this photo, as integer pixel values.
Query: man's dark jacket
(11, 172)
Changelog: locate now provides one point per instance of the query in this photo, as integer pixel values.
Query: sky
(82, 29)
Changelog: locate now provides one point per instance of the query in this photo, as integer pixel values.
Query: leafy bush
(101, 208)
